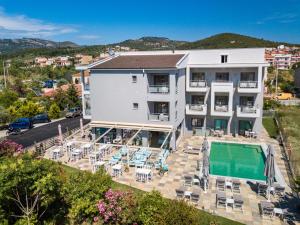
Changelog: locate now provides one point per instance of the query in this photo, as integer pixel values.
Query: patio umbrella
(81, 127)
(60, 135)
(205, 145)
(205, 168)
(269, 171)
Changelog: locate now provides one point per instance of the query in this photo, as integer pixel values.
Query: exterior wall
(234, 99)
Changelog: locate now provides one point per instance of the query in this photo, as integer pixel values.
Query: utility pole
(276, 81)
(4, 75)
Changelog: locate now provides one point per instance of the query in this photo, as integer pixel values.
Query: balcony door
(247, 101)
(197, 100)
(221, 100)
(161, 107)
(247, 76)
(161, 80)
(198, 76)
(221, 124)
(222, 77)
(245, 125)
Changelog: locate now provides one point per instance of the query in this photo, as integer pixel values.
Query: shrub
(54, 111)
(9, 148)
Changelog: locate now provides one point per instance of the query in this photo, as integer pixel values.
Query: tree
(54, 111)
(82, 191)
(31, 190)
(61, 99)
(8, 97)
(72, 96)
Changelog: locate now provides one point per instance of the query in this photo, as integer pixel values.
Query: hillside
(28, 47)
(13, 45)
(150, 43)
(231, 40)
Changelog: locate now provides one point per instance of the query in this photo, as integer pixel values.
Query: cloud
(89, 37)
(279, 18)
(14, 26)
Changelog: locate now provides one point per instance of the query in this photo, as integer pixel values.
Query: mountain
(13, 45)
(150, 43)
(231, 40)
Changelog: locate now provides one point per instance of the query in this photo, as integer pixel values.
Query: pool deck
(181, 164)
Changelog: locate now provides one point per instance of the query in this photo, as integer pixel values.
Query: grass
(289, 118)
(270, 125)
(201, 214)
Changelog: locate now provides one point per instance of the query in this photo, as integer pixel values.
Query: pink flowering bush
(117, 207)
(9, 148)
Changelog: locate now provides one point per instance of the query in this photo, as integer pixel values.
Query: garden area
(40, 191)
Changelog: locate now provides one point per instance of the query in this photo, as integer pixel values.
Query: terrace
(122, 162)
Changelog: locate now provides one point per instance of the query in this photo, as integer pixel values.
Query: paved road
(44, 132)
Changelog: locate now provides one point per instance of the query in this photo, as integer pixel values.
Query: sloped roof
(141, 62)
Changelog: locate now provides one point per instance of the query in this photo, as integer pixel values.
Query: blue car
(21, 123)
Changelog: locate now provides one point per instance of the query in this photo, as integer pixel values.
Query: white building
(190, 92)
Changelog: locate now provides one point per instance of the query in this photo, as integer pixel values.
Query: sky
(101, 22)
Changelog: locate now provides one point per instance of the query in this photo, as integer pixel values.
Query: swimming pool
(237, 160)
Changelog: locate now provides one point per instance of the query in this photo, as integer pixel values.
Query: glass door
(221, 124)
(245, 125)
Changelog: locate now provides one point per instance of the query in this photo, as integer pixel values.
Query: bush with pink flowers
(117, 207)
(10, 148)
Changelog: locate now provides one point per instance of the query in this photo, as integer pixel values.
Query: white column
(187, 77)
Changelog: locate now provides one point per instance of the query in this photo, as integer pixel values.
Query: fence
(292, 155)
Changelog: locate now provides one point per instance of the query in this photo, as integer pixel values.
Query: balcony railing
(198, 83)
(197, 107)
(221, 108)
(158, 89)
(248, 84)
(248, 109)
(158, 117)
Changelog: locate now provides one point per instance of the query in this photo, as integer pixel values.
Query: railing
(197, 107)
(221, 108)
(248, 84)
(198, 83)
(158, 89)
(158, 117)
(248, 109)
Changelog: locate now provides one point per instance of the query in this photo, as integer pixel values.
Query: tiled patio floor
(181, 164)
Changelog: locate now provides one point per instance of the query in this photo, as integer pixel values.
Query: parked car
(21, 123)
(284, 96)
(41, 118)
(13, 131)
(73, 112)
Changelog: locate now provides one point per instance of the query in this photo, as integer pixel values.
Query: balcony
(158, 117)
(248, 87)
(247, 111)
(221, 108)
(163, 89)
(196, 109)
(197, 85)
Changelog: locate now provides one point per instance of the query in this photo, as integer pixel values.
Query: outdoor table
(228, 184)
(56, 153)
(196, 181)
(117, 170)
(143, 174)
(229, 201)
(87, 148)
(278, 212)
(187, 194)
(76, 154)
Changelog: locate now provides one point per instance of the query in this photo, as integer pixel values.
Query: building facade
(166, 93)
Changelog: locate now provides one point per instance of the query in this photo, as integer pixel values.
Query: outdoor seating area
(187, 177)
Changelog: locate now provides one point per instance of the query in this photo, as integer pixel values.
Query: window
(134, 79)
(176, 102)
(224, 58)
(222, 76)
(247, 100)
(135, 105)
(197, 122)
(197, 100)
(247, 76)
